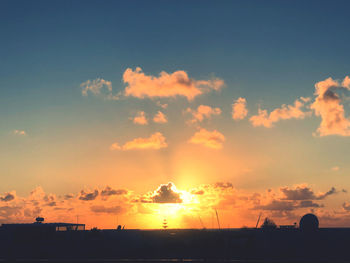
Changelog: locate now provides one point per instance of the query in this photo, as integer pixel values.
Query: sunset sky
(132, 112)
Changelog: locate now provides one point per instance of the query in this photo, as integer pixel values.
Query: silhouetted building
(41, 227)
(308, 222)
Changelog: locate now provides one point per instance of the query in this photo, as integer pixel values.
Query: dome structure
(308, 222)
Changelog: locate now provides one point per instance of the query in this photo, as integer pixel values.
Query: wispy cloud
(239, 109)
(285, 112)
(160, 118)
(211, 139)
(99, 86)
(174, 84)
(156, 141)
(19, 132)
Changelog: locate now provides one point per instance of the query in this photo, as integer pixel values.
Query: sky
(132, 112)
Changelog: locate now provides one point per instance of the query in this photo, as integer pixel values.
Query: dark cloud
(53, 203)
(165, 194)
(108, 191)
(7, 197)
(88, 196)
(287, 205)
(308, 203)
(304, 193)
(68, 196)
(279, 205)
(223, 185)
(107, 210)
(346, 206)
(197, 192)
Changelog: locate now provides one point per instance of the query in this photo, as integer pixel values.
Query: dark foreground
(226, 245)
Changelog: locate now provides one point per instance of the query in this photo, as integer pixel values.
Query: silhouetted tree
(268, 224)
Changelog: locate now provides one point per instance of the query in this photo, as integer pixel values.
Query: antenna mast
(257, 223)
(217, 218)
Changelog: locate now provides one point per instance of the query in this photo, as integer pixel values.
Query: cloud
(108, 191)
(160, 118)
(162, 105)
(99, 86)
(223, 185)
(346, 206)
(328, 106)
(346, 82)
(175, 84)
(156, 141)
(68, 196)
(335, 168)
(210, 139)
(166, 193)
(239, 109)
(88, 196)
(285, 112)
(203, 112)
(115, 146)
(283, 205)
(232, 204)
(95, 86)
(19, 132)
(108, 210)
(279, 205)
(304, 192)
(140, 118)
(8, 197)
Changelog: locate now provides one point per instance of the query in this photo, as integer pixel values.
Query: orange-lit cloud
(140, 118)
(166, 85)
(19, 132)
(160, 118)
(328, 106)
(239, 109)
(203, 112)
(211, 139)
(155, 141)
(286, 204)
(285, 112)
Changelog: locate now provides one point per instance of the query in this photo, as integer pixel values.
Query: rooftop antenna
(257, 223)
(200, 220)
(217, 218)
(212, 220)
